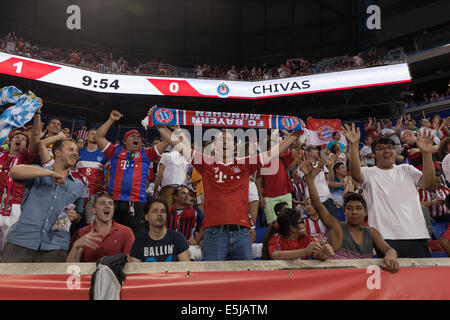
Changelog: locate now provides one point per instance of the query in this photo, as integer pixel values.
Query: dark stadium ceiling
(187, 32)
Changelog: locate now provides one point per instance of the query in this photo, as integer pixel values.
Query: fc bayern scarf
(167, 116)
(25, 105)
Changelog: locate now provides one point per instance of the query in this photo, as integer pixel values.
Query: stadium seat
(439, 229)
(260, 232)
(439, 255)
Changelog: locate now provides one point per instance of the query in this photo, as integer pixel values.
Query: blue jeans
(221, 245)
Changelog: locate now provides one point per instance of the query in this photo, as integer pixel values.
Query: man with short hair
(130, 165)
(104, 237)
(159, 244)
(185, 218)
(393, 134)
(391, 193)
(52, 201)
(349, 239)
(226, 187)
(336, 136)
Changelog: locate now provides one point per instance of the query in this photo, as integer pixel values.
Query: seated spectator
(159, 244)
(52, 204)
(288, 240)
(341, 184)
(279, 207)
(367, 156)
(336, 136)
(104, 237)
(433, 198)
(184, 217)
(232, 73)
(314, 226)
(298, 191)
(350, 240)
(391, 193)
(444, 240)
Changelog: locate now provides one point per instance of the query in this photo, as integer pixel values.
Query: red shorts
(446, 235)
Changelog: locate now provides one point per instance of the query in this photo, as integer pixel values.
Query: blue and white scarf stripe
(26, 104)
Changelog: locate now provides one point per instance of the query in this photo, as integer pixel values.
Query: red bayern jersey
(278, 243)
(92, 166)
(225, 188)
(276, 178)
(129, 172)
(11, 192)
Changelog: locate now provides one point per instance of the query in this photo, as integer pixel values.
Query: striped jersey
(429, 195)
(129, 172)
(316, 229)
(299, 191)
(186, 221)
(92, 166)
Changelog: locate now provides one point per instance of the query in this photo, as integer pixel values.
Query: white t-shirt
(446, 167)
(175, 168)
(320, 181)
(394, 138)
(393, 202)
(364, 158)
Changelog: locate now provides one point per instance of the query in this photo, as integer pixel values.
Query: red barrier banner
(420, 283)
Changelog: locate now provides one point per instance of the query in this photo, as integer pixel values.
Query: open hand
(353, 135)
(425, 141)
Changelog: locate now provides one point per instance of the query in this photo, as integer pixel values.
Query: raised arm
(332, 224)
(43, 147)
(425, 144)
(353, 135)
(103, 130)
(37, 128)
(276, 150)
(25, 172)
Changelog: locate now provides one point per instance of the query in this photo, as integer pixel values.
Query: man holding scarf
(226, 184)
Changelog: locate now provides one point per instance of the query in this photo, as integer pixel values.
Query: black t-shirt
(165, 250)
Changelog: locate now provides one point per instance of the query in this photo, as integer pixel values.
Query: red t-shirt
(277, 184)
(119, 240)
(278, 243)
(7, 161)
(225, 189)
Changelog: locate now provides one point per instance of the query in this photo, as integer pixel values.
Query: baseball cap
(129, 133)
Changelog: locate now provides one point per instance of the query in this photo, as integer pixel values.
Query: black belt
(230, 227)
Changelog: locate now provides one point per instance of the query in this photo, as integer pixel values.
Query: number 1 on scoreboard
(18, 66)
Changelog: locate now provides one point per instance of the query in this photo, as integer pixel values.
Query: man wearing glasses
(391, 193)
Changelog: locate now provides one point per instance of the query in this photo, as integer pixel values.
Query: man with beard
(22, 150)
(130, 165)
(159, 244)
(51, 196)
(104, 237)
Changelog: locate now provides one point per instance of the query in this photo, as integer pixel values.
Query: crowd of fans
(80, 198)
(109, 63)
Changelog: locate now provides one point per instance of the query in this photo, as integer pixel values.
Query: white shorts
(252, 192)
(7, 221)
